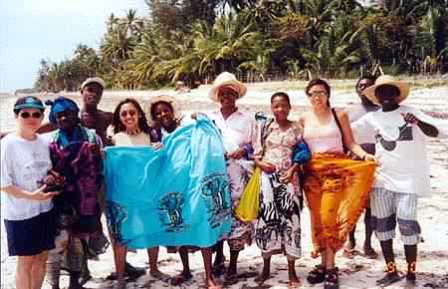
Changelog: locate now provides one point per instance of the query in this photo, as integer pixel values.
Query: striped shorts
(390, 208)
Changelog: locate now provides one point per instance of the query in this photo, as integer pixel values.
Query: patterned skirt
(337, 190)
(278, 226)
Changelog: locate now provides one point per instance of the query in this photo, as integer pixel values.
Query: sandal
(230, 279)
(219, 269)
(331, 279)
(350, 253)
(317, 275)
(160, 276)
(181, 278)
(370, 253)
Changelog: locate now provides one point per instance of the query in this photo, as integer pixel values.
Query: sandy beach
(359, 272)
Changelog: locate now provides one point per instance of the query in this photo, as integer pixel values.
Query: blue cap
(28, 102)
(61, 104)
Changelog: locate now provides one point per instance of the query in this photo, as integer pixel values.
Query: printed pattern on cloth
(278, 226)
(337, 190)
(177, 195)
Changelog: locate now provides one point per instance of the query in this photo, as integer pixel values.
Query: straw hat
(162, 98)
(387, 79)
(227, 79)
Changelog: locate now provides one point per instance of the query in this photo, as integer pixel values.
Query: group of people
(53, 188)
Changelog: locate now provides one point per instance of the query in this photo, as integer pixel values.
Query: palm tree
(227, 44)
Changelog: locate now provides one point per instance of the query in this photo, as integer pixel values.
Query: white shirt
(404, 165)
(237, 129)
(23, 164)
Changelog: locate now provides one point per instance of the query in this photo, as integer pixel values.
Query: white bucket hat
(90, 80)
(402, 86)
(227, 79)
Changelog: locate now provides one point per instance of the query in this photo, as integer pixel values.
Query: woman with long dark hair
(336, 187)
(130, 128)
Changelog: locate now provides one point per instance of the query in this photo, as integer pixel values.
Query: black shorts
(31, 236)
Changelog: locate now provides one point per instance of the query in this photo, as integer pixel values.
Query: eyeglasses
(26, 115)
(317, 93)
(124, 113)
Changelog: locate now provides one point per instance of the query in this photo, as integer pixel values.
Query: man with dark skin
(403, 173)
(92, 117)
(64, 114)
(355, 113)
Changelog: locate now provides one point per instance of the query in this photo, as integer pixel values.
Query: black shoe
(389, 278)
(411, 278)
(131, 270)
(331, 279)
(317, 275)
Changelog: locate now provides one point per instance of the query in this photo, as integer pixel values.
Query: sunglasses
(126, 112)
(317, 93)
(26, 115)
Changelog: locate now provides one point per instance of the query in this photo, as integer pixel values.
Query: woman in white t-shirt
(27, 206)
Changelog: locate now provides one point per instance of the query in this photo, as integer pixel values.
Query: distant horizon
(50, 29)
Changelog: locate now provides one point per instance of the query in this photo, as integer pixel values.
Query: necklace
(133, 131)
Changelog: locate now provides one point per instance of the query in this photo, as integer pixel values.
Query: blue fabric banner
(178, 195)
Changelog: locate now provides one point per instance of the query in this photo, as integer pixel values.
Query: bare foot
(294, 282)
(211, 284)
(315, 254)
(262, 277)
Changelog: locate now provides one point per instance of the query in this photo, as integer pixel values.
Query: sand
(359, 272)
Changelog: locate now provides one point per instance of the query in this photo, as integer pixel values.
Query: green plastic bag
(247, 209)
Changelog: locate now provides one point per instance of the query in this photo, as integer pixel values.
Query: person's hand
(41, 195)
(286, 177)
(239, 153)
(370, 157)
(410, 118)
(157, 145)
(266, 167)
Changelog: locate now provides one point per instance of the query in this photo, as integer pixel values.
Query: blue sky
(32, 30)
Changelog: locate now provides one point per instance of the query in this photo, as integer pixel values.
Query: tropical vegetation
(195, 40)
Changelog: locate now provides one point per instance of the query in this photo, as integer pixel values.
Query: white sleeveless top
(324, 138)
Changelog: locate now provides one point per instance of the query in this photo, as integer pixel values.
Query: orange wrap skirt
(337, 191)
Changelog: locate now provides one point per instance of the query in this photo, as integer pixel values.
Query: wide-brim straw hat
(227, 79)
(162, 98)
(402, 86)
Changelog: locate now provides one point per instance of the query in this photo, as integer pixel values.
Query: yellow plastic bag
(247, 209)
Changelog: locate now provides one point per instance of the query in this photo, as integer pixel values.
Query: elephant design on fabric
(116, 215)
(215, 189)
(170, 212)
